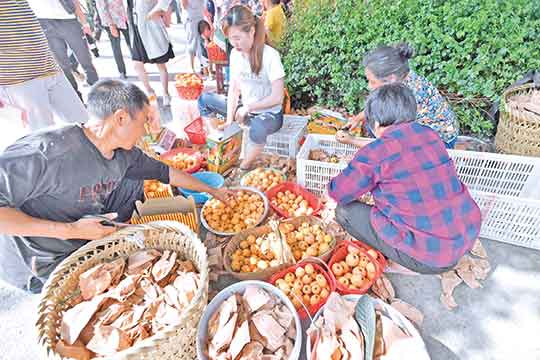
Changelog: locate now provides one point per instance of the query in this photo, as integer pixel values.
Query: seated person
(390, 64)
(424, 218)
(257, 75)
(275, 21)
(50, 180)
(205, 32)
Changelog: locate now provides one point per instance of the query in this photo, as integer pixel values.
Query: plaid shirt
(421, 207)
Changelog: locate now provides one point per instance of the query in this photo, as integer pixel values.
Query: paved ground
(499, 321)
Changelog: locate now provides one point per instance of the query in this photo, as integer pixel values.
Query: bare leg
(143, 76)
(253, 152)
(164, 77)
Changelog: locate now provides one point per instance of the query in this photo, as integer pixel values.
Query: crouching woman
(424, 218)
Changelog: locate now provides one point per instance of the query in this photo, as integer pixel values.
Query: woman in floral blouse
(390, 64)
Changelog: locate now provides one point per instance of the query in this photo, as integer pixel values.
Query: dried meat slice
(94, 281)
(255, 297)
(270, 329)
(108, 340)
(252, 351)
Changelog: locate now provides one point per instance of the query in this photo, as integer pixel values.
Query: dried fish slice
(76, 351)
(164, 265)
(141, 259)
(240, 339)
(108, 340)
(75, 319)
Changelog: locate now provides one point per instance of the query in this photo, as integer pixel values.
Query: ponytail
(257, 50)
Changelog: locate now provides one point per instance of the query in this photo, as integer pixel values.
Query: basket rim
(121, 235)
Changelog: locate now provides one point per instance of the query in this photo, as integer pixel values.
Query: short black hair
(390, 104)
(108, 96)
(203, 25)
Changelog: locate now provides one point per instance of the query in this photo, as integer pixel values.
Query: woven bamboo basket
(175, 342)
(312, 220)
(518, 131)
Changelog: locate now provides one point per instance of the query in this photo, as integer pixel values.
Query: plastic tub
(195, 132)
(395, 315)
(211, 179)
(314, 202)
(339, 255)
(172, 153)
(327, 275)
(239, 287)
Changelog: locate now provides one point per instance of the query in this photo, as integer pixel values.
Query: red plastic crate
(318, 268)
(195, 132)
(314, 202)
(340, 253)
(380, 257)
(170, 154)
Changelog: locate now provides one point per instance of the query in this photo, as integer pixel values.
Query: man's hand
(224, 195)
(91, 229)
(344, 137)
(114, 31)
(87, 29)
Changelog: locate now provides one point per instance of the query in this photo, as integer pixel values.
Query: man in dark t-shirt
(51, 179)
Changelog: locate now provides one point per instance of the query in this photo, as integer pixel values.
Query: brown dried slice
(142, 259)
(76, 351)
(171, 296)
(224, 335)
(164, 265)
(94, 281)
(252, 351)
(108, 340)
(186, 266)
(449, 281)
(168, 315)
(255, 335)
(129, 319)
(110, 314)
(409, 311)
(75, 319)
(255, 298)
(478, 250)
(383, 289)
(272, 331)
(139, 333)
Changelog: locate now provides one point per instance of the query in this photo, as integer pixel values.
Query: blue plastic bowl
(211, 179)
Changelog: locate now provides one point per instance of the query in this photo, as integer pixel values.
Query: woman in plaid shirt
(424, 218)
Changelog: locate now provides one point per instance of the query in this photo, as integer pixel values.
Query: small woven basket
(518, 131)
(175, 342)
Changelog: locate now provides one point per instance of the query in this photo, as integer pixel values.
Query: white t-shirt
(253, 87)
(49, 9)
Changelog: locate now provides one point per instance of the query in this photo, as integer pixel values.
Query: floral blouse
(433, 109)
(112, 12)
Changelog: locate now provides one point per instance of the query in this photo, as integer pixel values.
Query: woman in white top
(257, 75)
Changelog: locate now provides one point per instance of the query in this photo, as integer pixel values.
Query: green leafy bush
(470, 49)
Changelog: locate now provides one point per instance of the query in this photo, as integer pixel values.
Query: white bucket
(395, 315)
(239, 287)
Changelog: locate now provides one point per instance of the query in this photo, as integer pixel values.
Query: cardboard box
(162, 206)
(224, 148)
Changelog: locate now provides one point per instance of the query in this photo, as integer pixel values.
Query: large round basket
(176, 342)
(518, 131)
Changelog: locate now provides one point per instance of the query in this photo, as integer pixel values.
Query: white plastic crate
(286, 142)
(509, 219)
(506, 187)
(315, 175)
(499, 174)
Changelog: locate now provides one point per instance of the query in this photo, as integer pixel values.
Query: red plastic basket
(314, 202)
(380, 257)
(215, 53)
(199, 158)
(190, 92)
(318, 268)
(195, 132)
(340, 253)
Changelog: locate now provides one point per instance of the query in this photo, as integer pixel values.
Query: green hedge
(470, 49)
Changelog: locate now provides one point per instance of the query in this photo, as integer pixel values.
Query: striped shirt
(24, 51)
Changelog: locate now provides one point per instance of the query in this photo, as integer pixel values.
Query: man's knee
(342, 214)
